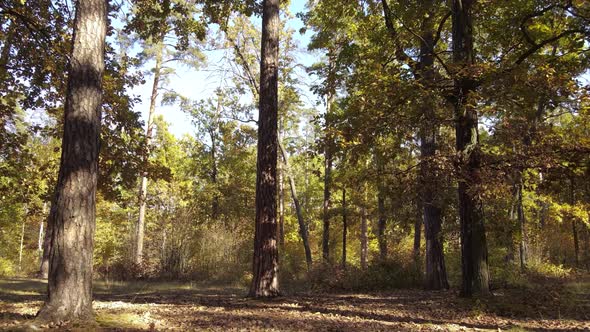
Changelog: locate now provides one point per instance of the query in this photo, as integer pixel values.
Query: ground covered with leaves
(551, 305)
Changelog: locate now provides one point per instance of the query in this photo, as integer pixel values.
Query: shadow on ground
(182, 306)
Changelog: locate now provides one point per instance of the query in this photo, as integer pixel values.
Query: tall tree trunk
(22, 241)
(364, 233)
(265, 282)
(140, 226)
(300, 220)
(326, 206)
(281, 172)
(429, 182)
(517, 215)
(574, 223)
(474, 254)
(70, 263)
(44, 266)
(328, 162)
(344, 228)
(418, 227)
(382, 222)
(41, 234)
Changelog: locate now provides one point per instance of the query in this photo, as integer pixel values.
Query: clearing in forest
(139, 306)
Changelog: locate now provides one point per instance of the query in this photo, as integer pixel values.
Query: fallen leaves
(205, 309)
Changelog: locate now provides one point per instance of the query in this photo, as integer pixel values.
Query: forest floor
(550, 305)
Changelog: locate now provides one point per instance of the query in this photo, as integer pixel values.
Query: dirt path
(187, 307)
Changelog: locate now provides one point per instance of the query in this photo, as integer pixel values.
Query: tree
(70, 264)
(265, 282)
(474, 252)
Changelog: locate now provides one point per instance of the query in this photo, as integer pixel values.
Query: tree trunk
(574, 224)
(382, 222)
(140, 227)
(326, 205)
(265, 282)
(328, 163)
(22, 241)
(474, 254)
(44, 266)
(344, 228)
(300, 220)
(429, 182)
(517, 215)
(364, 233)
(70, 259)
(41, 235)
(418, 228)
(281, 172)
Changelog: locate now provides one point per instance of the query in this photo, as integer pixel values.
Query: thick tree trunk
(140, 226)
(265, 282)
(429, 182)
(70, 264)
(300, 220)
(474, 254)
(344, 228)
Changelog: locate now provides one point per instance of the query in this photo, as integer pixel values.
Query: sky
(201, 84)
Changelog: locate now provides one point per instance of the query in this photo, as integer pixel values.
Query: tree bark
(382, 222)
(22, 241)
(328, 163)
(574, 223)
(344, 228)
(265, 282)
(302, 227)
(70, 263)
(326, 206)
(44, 266)
(474, 254)
(140, 226)
(418, 227)
(41, 235)
(429, 182)
(364, 234)
(281, 172)
(364, 238)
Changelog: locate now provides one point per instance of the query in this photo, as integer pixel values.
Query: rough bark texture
(429, 180)
(70, 259)
(302, 227)
(265, 282)
(140, 226)
(474, 255)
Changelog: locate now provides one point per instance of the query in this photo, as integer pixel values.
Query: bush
(6, 268)
(382, 275)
